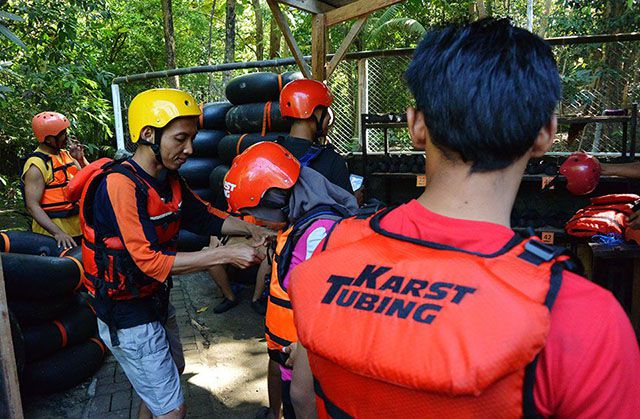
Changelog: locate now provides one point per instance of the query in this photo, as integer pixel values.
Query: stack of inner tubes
(526, 217)
(542, 167)
(197, 168)
(54, 323)
(398, 163)
(250, 115)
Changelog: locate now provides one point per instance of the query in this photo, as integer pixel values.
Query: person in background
(45, 173)
(437, 308)
(307, 103)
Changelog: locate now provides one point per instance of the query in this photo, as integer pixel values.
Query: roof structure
(326, 13)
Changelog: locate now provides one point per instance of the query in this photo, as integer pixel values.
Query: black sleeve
(199, 217)
(340, 173)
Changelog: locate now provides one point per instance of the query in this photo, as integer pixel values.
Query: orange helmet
(48, 123)
(300, 98)
(259, 168)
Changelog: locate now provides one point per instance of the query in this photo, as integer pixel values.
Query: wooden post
(10, 385)
(319, 47)
(288, 36)
(346, 43)
(363, 96)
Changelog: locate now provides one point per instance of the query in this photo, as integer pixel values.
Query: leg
(173, 336)
(274, 388)
(287, 407)
(144, 412)
(145, 357)
(220, 277)
(263, 271)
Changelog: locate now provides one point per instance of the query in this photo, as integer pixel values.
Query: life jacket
(399, 327)
(606, 214)
(111, 273)
(54, 201)
(280, 330)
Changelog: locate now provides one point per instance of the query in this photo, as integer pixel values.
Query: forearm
(186, 262)
(43, 219)
(628, 170)
(235, 227)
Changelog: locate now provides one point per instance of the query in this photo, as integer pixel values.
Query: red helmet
(48, 123)
(259, 168)
(300, 98)
(582, 172)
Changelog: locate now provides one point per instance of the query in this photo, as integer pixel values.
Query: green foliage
(62, 54)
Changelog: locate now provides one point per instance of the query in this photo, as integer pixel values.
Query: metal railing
(599, 72)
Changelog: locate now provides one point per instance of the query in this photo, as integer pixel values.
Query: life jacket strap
(332, 409)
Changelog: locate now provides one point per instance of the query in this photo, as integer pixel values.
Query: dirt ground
(226, 363)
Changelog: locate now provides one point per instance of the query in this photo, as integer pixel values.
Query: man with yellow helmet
(131, 213)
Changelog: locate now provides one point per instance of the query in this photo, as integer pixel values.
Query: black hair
(485, 89)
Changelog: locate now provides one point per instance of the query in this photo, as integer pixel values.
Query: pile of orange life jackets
(606, 214)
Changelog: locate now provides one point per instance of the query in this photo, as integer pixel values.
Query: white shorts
(150, 356)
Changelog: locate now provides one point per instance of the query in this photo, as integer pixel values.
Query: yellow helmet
(158, 107)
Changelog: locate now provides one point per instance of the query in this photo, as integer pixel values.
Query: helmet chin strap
(155, 146)
(319, 123)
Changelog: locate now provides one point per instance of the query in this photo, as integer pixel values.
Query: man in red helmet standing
(45, 173)
(307, 103)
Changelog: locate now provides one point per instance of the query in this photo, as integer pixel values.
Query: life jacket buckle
(542, 250)
(368, 209)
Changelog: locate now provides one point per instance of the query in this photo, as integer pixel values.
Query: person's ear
(544, 140)
(417, 128)
(148, 134)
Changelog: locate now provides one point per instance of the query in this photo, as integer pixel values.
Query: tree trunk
(230, 36)
(274, 39)
(544, 25)
(613, 53)
(482, 12)
(169, 40)
(210, 46)
(259, 30)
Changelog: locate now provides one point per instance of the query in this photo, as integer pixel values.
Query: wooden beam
(311, 6)
(10, 387)
(356, 9)
(319, 47)
(288, 36)
(346, 43)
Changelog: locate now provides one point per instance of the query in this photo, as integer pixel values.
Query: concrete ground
(226, 364)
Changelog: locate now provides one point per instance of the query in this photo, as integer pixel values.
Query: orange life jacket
(280, 330)
(606, 214)
(399, 327)
(110, 271)
(74, 188)
(54, 201)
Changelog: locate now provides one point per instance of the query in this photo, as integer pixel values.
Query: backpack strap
(283, 260)
(312, 153)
